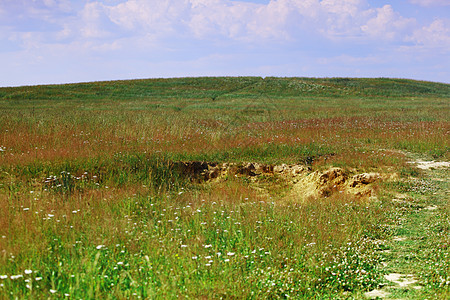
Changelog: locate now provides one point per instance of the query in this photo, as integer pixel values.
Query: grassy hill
(244, 118)
(214, 87)
(93, 206)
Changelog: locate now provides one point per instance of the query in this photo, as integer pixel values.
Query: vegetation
(91, 204)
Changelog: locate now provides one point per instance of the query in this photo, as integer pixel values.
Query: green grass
(215, 88)
(166, 246)
(422, 219)
(92, 204)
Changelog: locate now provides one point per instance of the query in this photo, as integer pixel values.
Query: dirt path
(417, 232)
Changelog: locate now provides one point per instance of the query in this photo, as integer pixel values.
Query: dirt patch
(426, 165)
(334, 180)
(302, 181)
(431, 207)
(207, 171)
(403, 280)
(377, 294)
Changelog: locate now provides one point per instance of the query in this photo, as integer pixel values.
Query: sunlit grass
(92, 205)
(106, 242)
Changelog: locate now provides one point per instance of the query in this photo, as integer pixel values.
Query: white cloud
(220, 18)
(388, 24)
(436, 35)
(208, 36)
(244, 21)
(279, 20)
(93, 21)
(156, 16)
(431, 2)
(39, 9)
(343, 19)
(344, 7)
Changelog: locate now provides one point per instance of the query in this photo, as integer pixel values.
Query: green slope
(214, 87)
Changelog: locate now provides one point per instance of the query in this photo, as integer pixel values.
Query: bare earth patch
(426, 165)
(303, 182)
(401, 279)
(376, 294)
(334, 180)
(431, 207)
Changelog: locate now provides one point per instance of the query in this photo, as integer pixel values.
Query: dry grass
(91, 204)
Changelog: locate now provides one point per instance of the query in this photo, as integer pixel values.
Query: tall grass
(92, 204)
(107, 243)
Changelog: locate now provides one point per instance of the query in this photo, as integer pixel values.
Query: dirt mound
(302, 182)
(334, 180)
(206, 171)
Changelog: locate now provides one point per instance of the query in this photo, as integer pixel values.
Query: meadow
(92, 205)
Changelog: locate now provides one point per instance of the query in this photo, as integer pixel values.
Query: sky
(62, 41)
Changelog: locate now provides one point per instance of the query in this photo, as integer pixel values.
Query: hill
(225, 188)
(213, 87)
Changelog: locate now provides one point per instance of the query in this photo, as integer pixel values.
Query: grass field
(91, 205)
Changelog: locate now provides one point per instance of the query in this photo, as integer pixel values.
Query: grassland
(91, 207)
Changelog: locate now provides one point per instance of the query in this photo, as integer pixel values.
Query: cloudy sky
(61, 41)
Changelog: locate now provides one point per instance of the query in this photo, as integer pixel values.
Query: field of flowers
(92, 207)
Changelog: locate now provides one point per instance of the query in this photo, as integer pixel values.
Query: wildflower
(230, 253)
(3, 276)
(208, 246)
(14, 277)
(28, 272)
(100, 247)
(193, 257)
(183, 246)
(120, 263)
(53, 291)
(38, 278)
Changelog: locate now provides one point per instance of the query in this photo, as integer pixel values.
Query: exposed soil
(426, 165)
(401, 281)
(302, 181)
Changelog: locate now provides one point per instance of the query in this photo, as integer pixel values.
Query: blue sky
(62, 41)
